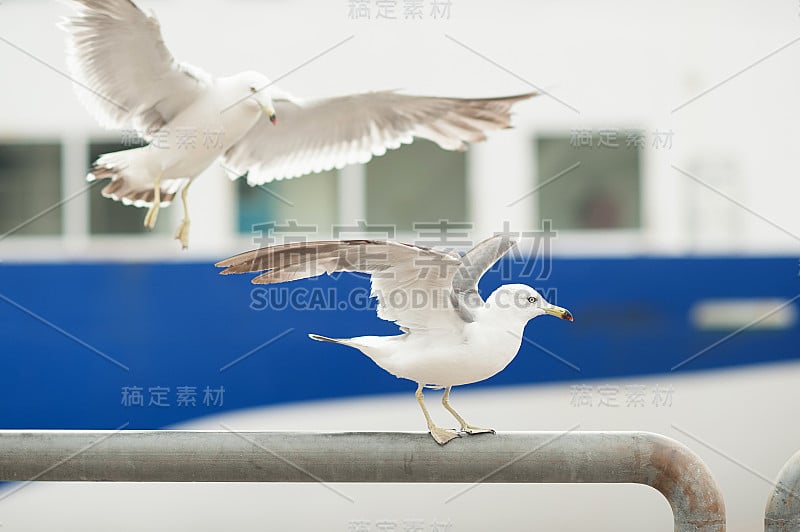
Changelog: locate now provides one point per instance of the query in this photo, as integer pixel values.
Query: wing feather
(474, 264)
(334, 132)
(124, 73)
(412, 283)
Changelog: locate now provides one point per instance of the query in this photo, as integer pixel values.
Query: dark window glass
(603, 192)
(107, 216)
(30, 185)
(418, 183)
(311, 201)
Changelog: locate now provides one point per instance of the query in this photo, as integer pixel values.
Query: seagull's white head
(256, 85)
(525, 303)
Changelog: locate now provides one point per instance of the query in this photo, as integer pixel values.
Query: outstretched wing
(412, 283)
(475, 263)
(334, 132)
(123, 72)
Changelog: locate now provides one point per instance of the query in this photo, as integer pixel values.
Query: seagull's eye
(253, 90)
(531, 299)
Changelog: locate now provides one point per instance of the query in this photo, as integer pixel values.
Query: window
(417, 183)
(107, 216)
(603, 192)
(311, 201)
(30, 184)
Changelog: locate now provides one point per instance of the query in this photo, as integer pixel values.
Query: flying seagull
(450, 335)
(128, 79)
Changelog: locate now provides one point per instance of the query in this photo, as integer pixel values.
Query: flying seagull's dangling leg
(183, 229)
(465, 427)
(441, 435)
(152, 212)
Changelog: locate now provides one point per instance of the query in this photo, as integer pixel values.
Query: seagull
(128, 79)
(450, 335)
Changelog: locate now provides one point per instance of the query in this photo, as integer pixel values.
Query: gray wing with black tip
(474, 264)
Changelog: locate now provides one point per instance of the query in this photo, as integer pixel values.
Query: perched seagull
(451, 336)
(128, 79)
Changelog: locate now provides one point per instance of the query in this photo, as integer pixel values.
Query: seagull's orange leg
(465, 427)
(152, 213)
(441, 435)
(183, 229)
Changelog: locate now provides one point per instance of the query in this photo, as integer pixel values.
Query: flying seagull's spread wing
(412, 283)
(124, 73)
(334, 132)
(475, 263)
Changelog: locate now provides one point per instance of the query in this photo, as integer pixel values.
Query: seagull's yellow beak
(270, 112)
(559, 312)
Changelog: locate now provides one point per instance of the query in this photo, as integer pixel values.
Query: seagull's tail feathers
(130, 181)
(320, 338)
(362, 343)
(375, 347)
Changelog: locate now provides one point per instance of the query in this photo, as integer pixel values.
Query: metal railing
(229, 456)
(783, 505)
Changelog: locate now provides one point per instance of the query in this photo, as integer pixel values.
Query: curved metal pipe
(783, 505)
(228, 456)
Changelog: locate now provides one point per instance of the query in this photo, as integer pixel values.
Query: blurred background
(654, 192)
